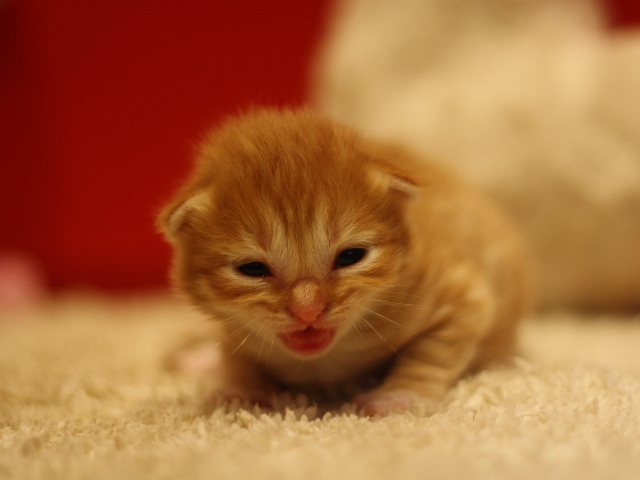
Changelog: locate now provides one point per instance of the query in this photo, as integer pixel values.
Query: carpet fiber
(84, 394)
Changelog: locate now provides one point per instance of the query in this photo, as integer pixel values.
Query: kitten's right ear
(174, 216)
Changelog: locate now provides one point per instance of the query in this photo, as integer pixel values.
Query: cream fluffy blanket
(84, 394)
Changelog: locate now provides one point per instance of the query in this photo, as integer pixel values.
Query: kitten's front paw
(384, 403)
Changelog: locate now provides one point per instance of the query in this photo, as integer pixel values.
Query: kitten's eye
(255, 269)
(349, 257)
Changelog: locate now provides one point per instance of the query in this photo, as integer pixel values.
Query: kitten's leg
(244, 379)
(198, 355)
(430, 364)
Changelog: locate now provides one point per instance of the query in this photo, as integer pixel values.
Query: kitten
(328, 258)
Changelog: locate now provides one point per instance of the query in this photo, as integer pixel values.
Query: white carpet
(83, 394)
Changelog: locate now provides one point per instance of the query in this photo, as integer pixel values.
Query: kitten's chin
(310, 341)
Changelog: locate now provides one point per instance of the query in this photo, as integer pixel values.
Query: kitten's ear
(388, 164)
(175, 215)
(395, 182)
(404, 185)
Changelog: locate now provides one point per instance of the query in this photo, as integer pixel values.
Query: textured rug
(84, 394)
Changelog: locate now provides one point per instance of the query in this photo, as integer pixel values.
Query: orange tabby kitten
(328, 258)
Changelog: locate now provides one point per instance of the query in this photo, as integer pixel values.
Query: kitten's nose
(308, 314)
(307, 302)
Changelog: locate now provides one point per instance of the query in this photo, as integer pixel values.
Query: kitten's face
(289, 231)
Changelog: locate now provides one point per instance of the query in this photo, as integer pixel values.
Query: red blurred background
(100, 103)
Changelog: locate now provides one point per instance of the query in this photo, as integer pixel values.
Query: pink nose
(308, 314)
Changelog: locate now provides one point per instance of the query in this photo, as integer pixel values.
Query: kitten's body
(438, 291)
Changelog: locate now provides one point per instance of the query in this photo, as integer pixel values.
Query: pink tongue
(310, 340)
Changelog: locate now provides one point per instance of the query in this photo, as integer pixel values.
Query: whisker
(223, 321)
(240, 344)
(261, 346)
(241, 327)
(395, 303)
(355, 325)
(230, 335)
(273, 339)
(364, 337)
(405, 294)
(386, 318)
(378, 333)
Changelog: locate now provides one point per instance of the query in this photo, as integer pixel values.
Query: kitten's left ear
(388, 164)
(395, 182)
(404, 185)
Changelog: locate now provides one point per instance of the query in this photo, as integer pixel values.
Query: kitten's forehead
(286, 150)
(301, 247)
(299, 172)
(311, 229)
(299, 239)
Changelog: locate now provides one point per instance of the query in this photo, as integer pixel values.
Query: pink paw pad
(385, 403)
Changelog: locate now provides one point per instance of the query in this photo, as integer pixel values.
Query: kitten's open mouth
(309, 341)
